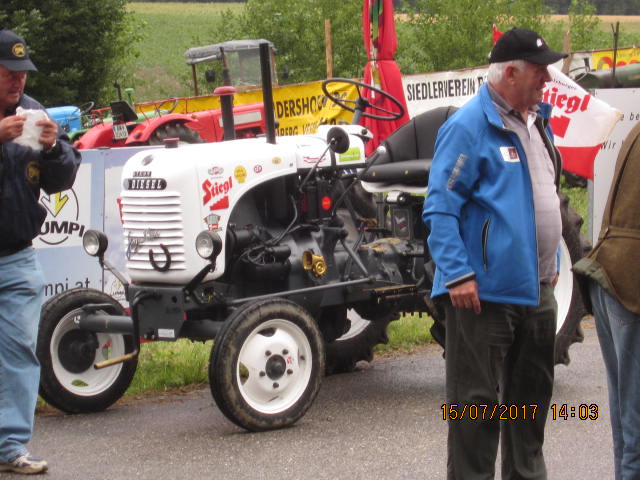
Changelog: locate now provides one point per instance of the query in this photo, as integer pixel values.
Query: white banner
(426, 91)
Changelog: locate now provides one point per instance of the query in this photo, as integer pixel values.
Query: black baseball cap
(523, 44)
(13, 52)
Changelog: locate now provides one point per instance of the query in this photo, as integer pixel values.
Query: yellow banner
(625, 56)
(299, 109)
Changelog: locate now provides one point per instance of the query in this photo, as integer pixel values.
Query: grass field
(628, 23)
(168, 30)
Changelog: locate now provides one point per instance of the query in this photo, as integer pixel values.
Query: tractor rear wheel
(174, 130)
(357, 343)
(571, 307)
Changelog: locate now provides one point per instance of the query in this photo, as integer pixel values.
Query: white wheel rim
(274, 366)
(358, 325)
(563, 290)
(90, 382)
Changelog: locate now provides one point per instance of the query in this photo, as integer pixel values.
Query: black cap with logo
(13, 52)
(523, 44)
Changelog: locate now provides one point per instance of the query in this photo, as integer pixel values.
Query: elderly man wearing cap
(494, 219)
(24, 170)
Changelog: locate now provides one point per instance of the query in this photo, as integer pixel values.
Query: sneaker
(25, 464)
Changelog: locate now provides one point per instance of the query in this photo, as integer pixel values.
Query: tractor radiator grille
(152, 220)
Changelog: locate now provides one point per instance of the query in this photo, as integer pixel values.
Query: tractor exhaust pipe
(226, 93)
(267, 93)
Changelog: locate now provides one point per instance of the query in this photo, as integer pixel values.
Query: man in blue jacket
(494, 219)
(24, 170)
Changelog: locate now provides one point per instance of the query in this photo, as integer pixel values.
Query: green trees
(296, 27)
(434, 35)
(79, 47)
(441, 34)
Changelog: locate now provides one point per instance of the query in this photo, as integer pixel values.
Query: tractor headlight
(95, 243)
(208, 245)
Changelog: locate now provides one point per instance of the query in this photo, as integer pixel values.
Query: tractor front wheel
(267, 364)
(68, 379)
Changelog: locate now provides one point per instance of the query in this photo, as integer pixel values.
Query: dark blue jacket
(22, 174)
(479, 205)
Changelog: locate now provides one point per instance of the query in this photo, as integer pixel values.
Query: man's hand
(554, 282)
(49, 133)
(11, 127)
(465, 295)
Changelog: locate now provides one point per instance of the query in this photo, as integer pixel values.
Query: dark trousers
(499, 377)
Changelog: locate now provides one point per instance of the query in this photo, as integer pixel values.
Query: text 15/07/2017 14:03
(482, 412)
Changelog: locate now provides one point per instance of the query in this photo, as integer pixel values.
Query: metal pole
(616, 34)
(328, 47)
(267, 93)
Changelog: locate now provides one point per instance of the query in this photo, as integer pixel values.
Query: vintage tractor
(72, 119)
(274, 248)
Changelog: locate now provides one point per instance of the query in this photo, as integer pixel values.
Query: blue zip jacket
(479, 205)
(24, 172)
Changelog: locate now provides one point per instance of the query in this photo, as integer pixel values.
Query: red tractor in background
(126, 130)
(120, 125)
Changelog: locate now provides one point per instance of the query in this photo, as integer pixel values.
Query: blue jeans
(21, 296)
(619, 335)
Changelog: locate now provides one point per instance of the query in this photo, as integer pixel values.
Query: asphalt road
(383, 421)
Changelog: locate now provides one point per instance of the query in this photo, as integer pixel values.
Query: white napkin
(31, 133)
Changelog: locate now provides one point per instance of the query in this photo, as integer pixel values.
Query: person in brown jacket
(612, 270)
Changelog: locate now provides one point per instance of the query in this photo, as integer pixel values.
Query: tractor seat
(409, 151)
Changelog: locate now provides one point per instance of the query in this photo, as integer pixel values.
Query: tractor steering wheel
(358, 106)
(85, 108)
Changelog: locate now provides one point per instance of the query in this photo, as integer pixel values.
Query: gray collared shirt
(545, 199)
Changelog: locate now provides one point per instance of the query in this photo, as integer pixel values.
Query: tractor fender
(100, 135)
(143, 131)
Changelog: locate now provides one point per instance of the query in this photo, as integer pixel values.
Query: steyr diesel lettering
(145, 184)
